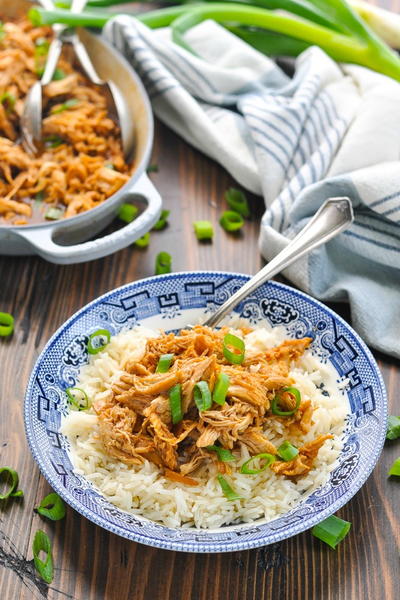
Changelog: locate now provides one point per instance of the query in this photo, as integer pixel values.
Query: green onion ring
(287, 451)
(221, 388)
(175, 403)
(395, 468)
(101, 334)
(231, 220)
(127, 212)
(41, 543)
(269, 459)
(237, 201)
(235, 356)
(223, 454)
(51, 507)
(6, 324)
(164, 363)
(202, 396)
(229, 492)
(80, 400)
(203, 230)
(331, 531)
(162, 221)
(163, 263)
(143, 241)
(13, 480)
(286, 413)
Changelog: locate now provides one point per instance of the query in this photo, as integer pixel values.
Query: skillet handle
(64, 255)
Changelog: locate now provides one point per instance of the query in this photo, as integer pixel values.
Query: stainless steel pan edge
(42, 238)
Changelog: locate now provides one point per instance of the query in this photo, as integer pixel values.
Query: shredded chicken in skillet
(135, 420)
(81, 163)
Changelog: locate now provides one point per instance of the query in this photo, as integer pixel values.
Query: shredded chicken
(81, 162)
(136, 419)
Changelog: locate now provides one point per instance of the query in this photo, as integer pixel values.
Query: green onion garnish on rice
(221, 389)
(77, 398)
(287, 451)
(164, 363)
(331, 531)
(98, 340)
(202, 396)
(228, 492)
(10, 478)
(175, 403)
(246, 467)
(223, 454)
(233, 349)
(275, 402)
(51, 507)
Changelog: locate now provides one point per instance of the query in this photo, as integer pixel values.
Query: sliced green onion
(202, 395)
(395, 468)
(8, 100)
(152, 168)
(40, 196)
(98, 340)
(246, 466)
(10, 477)
(110, 166)
(275, 402)
(2, 32)
(78, 398)
(42, 47)
(231, 220)
(54, 213)
(6, 324)
(233, 349)
(143, 241)
(237, 201)
(229, 493)
(163, 263)
(393, 428)
(331, 531)
(41, 543)
(164, 363)
(175, 403)
(53, 141)
(223, 454)
(162, 221)
(203, 230)
(68, 104)
(287, 451)
(127, 212)
(51, 507)
(221, 388)
(59, 74)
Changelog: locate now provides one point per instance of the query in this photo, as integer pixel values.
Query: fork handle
(52, 60)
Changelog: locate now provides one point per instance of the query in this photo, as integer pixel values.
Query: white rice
(143, 491)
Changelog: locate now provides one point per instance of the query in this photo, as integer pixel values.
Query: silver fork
(31, 120)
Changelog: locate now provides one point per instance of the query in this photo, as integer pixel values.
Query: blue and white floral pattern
(171, 302)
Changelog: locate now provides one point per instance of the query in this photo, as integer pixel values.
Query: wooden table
(92, 564)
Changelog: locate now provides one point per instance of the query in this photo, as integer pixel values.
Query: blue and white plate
(171, 302)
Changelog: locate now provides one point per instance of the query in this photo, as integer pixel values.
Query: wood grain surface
(92, 564)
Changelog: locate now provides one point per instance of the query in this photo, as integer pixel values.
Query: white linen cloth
(331, 130)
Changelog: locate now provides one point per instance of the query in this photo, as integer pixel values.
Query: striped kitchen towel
(327, 131)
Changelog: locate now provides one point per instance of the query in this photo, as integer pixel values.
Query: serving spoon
(31, 120)
(334, 216)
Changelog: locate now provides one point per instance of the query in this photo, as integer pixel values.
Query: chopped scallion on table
(127, 212)
(331, 531)
(231, 221)
(10, 478)
(78, 398)
(164, 363)
(98, 340)
(237, 202)
(287, 451)
(246, 466)
(163, 263)
(221, 388)
(51, 507)
(152, 168)
(393, 428)
(223, 454)
(143, 241)
(175, 403)
(203, 230)
(395, 468)
(41, 543)
(202, 396)
(229, 492)
(162, 221)
(233, 349)
(6, 324)
(275, 402)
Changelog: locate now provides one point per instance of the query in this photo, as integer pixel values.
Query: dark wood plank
(92, 564)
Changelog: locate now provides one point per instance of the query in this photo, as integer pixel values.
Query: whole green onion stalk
(333, 26)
